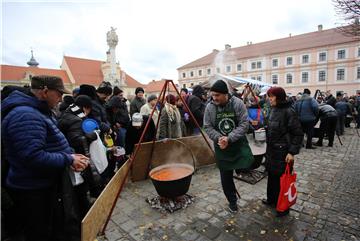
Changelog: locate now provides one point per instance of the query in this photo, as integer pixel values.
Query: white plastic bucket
(260, 135)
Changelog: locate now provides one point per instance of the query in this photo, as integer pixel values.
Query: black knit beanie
(83, 101)
(220, 87)
(88, 90)
(139, 89)
(105, 88)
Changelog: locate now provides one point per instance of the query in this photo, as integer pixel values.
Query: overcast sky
(155, 36)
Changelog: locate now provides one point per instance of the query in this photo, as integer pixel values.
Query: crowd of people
(44, 145)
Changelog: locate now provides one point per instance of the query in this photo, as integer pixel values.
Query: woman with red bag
(284, 139)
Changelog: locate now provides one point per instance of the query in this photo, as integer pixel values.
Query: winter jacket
(342, 108)
(35, 148)
(98, 112)
(197, 108)
(326, 111)
(136, 105)
(121, 115)
(307, 108)
(133, 135)
(147, 109)
(284, 135)
(330, 100)
(70, 123)
(170, 122)
(241, 117)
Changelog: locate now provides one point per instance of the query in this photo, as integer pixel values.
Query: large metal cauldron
(174, 186)
(176, 177)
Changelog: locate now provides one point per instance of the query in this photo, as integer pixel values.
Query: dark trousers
(348, 120)
(273, 187)
(340, 125)
(33, 213)
(308, 129)
(328, 126)
(228, 185)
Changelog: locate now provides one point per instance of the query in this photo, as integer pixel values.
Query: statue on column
(112, 38)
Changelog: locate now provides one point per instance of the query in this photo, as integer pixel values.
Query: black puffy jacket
(70, 125)
(284, 135)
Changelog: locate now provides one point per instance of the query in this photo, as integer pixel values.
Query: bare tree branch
(349, 11)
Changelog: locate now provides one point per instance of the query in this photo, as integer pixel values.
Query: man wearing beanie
(138, 101)
(225, 122)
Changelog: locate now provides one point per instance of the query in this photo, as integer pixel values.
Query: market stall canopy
(235, 82)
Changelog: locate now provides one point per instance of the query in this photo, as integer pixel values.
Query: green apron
(236, 155)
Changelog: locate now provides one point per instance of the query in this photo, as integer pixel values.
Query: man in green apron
(225, 122)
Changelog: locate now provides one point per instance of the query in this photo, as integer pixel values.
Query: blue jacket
(342, 108)
(35, 148)
(307, 108)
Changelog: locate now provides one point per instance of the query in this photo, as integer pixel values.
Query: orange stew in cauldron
(171, 173)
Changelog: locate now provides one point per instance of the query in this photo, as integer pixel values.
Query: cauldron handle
(191, 152)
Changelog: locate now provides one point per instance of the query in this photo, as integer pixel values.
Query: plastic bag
(76, 178)
(98, 154)
(288, 193)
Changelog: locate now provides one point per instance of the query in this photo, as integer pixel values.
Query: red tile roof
(85, 71)
(88, 71)
(294, 43)
(132, 83)
(156, 86)
(17, 73)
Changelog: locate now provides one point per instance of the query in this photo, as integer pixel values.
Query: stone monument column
(112, 41)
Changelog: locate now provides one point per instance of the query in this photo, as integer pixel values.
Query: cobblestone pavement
(327, 208)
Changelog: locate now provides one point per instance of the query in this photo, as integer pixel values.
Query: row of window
(340, 75)
(305, 59)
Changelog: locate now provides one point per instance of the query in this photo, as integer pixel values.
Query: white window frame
(226, 68)
(277, 79)
(192, 73)
(183, 75)
(357, 52)
(207, 71)
(318, 57)
(357, 77)
(277, 66)
(292, 78)
(301, 59)
(336, 74)
(259, 78)
(292, 61)
(251, 65)
(318, 76)
(218, 70)
(308, 77)
(257, 64)
(337, 54)
(199, 72)
(237, 69)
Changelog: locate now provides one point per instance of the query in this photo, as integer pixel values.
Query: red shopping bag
(288, 193)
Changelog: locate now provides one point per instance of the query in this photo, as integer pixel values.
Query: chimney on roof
(215, 50)
(320, 27)
(227, 46)
(289, 35)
